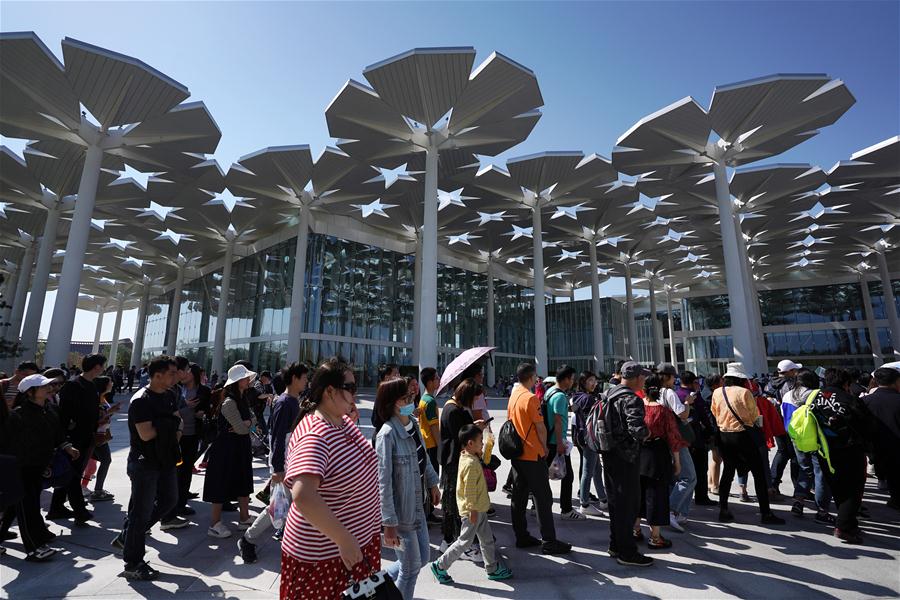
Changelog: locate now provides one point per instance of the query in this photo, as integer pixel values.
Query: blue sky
(268, 70)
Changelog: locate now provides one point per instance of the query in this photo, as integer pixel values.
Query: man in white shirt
(683, 484)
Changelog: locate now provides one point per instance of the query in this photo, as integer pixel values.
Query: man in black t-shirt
(155, 428)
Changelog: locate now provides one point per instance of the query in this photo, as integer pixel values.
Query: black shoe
(725, 516)
(83, 517)
(556, 547)
(193, 495)
(229, 507)
(507, 489)
(592, 497)
(118, 542)
(247, 550)
(613, 553)
(705, 502)
(141, 572)
(7, 536)
(824, 518)
(864, 513)
(771, 519)
(638, 560)
(529, 542)
(432, 519)
(492, 511)
(60, 513)
(185, 511)
(797, 509)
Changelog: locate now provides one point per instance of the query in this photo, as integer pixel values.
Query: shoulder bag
(508, 441)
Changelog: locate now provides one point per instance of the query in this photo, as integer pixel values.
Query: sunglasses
(350, 387)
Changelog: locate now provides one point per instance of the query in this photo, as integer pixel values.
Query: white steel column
(758, 337)
(741, 333)
(114, 348)
(31, 329)
(874, 342)
(673, 347)
(890, 306)
(59, 337)
(298, 288)
(175, 310)
(417, 298)
(596, 317)
(655, 351)
(138, 348)
(428, 310)
(631, 342)
(491, 371)
(22, 286)
(9, 293)
(540, 311)
(98, 329)
(218, 361)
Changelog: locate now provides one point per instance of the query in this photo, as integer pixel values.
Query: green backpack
(805, 431)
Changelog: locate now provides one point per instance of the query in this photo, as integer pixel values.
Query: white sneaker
(591, 510)
(682, 519)
(472, 554)
(444, 546)
(573, 515)
(602, 504)
(674, 524)
(246, 523)
(219, 530)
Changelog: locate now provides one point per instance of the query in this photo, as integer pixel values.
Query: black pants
(565, 491)
(531, 477)
(655, 501)
(72, 490)
(740, 448)
(623, 492)
(847, 484)
(700, 456)
(32, 528)
(452, 523)
(783, 455)
(153, 493)
(184, 472)
(260, 412)
(103, 456)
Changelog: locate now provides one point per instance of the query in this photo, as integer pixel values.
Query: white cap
(788, 365)
(238, 372)
(36, 380)
(735, 369)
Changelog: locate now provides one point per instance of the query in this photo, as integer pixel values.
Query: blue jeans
(590, 470)
(413, 554)
(154, 493)
(811, 470)
(683, 488)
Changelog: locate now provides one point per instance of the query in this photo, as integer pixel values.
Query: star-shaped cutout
(566, 255)
(117, 244)
(392, 176)
(675, 236)
(172, 236)
(613, 240)
(820, 210)
(138, 177)
(518, 232)
(648, 204)
(484, 217)
(102, 224)
(9, 207)
(516, 259)
(228, 201)
(810, 241)
(159, 212)
(570, 211)
(376, 207)
(130, 261)
(463, 238)
(454, 198)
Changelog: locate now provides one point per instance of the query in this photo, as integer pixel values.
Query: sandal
(659, 543)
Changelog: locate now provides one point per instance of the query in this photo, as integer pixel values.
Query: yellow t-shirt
(428, 416)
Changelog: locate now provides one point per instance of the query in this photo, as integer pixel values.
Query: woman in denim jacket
(404, 475)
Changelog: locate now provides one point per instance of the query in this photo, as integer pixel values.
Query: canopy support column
(890, 305)
(874, 342)
(31, 329)
(114, 347)
(491, 371)
(98, 330)
(22, 286)
(138, 348)
(298, 288)
(417, 299)
(428, 311)
(670, 318)
(596, 317)
(540, 311)
(218, 362)
(631, 342)
(174, 311)
(656, 351)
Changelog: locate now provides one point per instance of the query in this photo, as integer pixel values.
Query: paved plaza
(742, 559)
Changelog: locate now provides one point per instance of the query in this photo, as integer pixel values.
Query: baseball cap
(666, 369)
(788, 365)
(36, 380)
(631, 370)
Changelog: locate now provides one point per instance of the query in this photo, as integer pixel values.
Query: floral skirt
(325, 579)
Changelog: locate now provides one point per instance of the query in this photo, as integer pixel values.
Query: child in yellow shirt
(473, 502)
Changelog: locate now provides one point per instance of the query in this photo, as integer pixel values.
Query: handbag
(687, 431)
(508, 441)
(59, 473)
(755, 432)
(102, 437)
(490, 478)
(377, 586)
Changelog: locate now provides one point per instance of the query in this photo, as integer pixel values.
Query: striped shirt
(348, 470)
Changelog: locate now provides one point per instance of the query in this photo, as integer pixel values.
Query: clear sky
(268, 70)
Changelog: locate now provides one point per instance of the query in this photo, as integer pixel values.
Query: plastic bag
(279, 505)
(558, 467)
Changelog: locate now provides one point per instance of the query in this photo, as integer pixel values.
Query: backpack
(805, 431)
(545, 408)
(597, 432)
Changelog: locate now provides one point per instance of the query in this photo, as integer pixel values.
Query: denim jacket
(399, 481)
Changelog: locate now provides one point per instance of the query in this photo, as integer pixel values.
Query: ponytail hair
(653, 386)
(329, 374)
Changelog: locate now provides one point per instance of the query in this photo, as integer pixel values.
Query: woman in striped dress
(334, 523)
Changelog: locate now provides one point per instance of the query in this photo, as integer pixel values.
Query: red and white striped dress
(348, 469)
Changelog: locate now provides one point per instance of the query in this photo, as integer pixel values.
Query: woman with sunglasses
(334, 523)
(405, 475)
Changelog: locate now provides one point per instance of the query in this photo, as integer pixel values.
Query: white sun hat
(788, 365)
(36, 380)
(238, 372)
(735, 369)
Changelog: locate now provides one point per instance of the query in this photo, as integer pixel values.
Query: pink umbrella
(461, 363)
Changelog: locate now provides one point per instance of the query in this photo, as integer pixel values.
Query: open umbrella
(461, 363)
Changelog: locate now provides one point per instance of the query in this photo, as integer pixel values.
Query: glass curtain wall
(156, 330)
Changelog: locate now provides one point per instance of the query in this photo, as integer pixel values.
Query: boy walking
(473, 502)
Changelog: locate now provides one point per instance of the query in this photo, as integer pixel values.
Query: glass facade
(876, 292)
(820, 304)
(570, 339)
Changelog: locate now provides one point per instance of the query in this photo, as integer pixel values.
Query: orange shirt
(524, 410)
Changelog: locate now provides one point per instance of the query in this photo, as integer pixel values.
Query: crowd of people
(653, 443)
